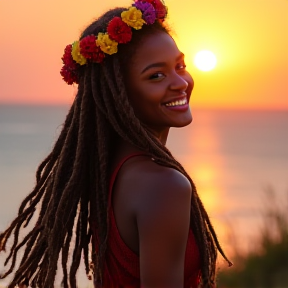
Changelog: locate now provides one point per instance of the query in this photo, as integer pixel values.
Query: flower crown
(119, 31)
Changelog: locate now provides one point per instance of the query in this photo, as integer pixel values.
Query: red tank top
(121, 266)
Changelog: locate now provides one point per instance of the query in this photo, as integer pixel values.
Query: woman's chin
(185, 120)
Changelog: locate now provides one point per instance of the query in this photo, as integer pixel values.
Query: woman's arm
(163, 218)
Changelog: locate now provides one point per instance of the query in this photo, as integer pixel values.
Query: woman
(109, 181)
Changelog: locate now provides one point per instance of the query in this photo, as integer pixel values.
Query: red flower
(160, 8)
(119, 30)
(68, 71)
(67, 58)
(69, 76)
(90, 50)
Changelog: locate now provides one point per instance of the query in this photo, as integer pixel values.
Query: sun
(205, 60)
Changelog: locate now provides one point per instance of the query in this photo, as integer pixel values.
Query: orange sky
(248, 37)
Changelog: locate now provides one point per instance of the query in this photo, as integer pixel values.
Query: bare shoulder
(152, 184)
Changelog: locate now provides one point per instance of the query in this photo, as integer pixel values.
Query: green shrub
(267, 267)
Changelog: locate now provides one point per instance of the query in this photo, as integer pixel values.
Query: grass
(267, 266)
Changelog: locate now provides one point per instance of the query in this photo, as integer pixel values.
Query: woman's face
(158, 85)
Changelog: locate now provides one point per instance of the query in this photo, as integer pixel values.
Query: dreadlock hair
(72, 182)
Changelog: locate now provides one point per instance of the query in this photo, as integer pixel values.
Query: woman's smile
(178, 104)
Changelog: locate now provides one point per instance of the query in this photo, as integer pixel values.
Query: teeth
(177, 103)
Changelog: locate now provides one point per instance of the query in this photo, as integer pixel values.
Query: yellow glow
(251, 71)
(205, 60)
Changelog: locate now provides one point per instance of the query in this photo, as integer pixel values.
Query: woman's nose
(178, 82)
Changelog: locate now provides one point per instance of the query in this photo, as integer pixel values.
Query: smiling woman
(110, 181)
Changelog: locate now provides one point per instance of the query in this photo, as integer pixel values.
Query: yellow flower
(76, 55)
(106, 44)
(133, 18)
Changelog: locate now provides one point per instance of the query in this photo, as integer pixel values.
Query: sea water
(233, 156)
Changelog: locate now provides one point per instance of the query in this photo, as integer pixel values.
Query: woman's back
(134, 187)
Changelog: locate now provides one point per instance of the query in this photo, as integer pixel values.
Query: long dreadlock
(72, 182)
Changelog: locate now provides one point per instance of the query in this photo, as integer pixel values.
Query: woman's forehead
(158, 47)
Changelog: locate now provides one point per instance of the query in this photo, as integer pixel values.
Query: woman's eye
(156, 76)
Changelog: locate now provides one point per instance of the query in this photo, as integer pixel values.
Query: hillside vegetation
(267, 266)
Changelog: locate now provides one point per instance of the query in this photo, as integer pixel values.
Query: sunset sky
(248, 37)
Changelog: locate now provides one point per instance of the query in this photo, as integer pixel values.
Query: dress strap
(111, 183)
(116, 170)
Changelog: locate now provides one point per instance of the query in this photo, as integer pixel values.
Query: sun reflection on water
(200, 156)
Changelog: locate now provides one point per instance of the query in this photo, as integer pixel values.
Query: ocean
(234, 157)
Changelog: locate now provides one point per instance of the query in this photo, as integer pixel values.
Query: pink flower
(160, 8)
(148, 11)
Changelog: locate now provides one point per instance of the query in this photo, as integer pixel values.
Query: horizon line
(198, 107)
